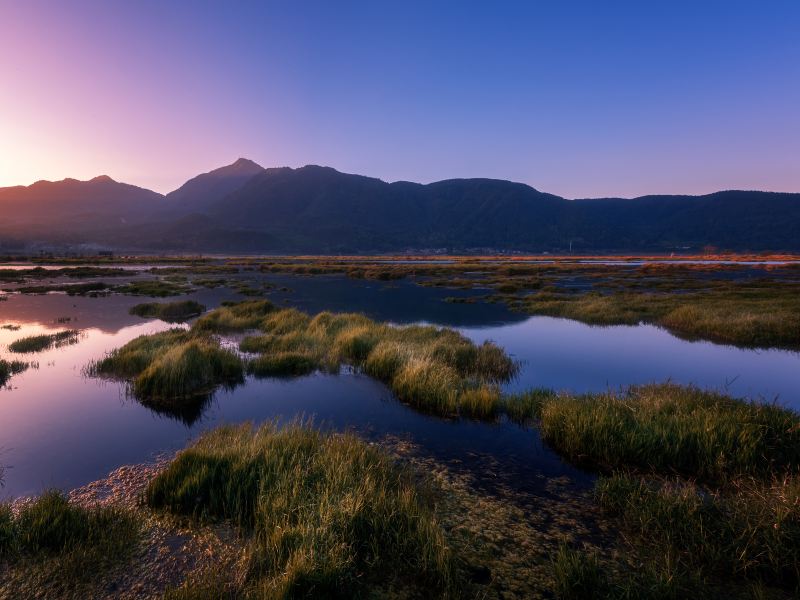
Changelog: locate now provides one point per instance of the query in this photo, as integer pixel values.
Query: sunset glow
(577, 99)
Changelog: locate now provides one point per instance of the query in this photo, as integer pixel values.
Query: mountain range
(246, 208)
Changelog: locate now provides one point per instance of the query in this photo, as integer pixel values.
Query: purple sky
(574, 98)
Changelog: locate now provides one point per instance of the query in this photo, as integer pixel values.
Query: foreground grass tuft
(749, 529)
(327, 515)
(171, 312)
(58, 548)
(40, 343)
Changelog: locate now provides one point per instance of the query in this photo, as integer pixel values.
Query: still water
(59, 428)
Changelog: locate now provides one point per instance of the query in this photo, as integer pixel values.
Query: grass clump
(40, 343)
(749, 529)
(578, 575)
(431, 368)
(326, 515)
(235, 316)
(171, 312)
(525, 408)
(155, 288)
(172, 366)
(59, 548)
(673, 429)
(8, 368)
(281, 364)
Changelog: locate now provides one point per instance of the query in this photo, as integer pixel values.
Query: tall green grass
(672, 429)
(235, 316)
(40, 343)
(171, 312)
(327, 515)
(169, 367)
(57, 548)
(749, 529)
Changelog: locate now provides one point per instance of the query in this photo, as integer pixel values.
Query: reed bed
(172, 312)
(40, 343)
(748, 530)
(431, 368)
(669, 429)
(170, 367)
(325, 515)
(9, 368)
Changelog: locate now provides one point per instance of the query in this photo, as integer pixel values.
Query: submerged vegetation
(40, 343)
(169, 311)
(53, 548)
(325, 515)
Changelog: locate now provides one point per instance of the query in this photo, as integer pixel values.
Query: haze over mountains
(245, 208)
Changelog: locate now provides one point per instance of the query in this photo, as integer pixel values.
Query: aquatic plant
(92, 288)
(672, 429)
(327, 514)
(235, 316)
(155, 288)
(40, 343)
(170, 367)
(57, 548)
(749, 529)
(9, 368)
(431, 368)
(169, 311)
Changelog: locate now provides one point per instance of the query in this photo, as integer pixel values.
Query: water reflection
(59, 428)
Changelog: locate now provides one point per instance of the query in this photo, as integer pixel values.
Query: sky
(580, 99)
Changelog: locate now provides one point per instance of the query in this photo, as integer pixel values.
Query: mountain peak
(246, 162)
(103, 178)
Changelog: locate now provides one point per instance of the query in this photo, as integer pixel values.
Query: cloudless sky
(580, 99)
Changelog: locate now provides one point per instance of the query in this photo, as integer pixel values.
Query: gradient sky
(574, 98)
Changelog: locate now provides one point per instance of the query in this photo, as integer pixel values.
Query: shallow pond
(60, 428)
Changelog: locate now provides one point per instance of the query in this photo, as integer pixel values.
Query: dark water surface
(59, 428)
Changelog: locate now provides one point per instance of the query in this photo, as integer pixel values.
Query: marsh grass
(748, 529)
(40, 343)
(584, 575)
(235, 316)
(433, 369)
(57, 548)
(579, 575)
(171, 367)
(670, 429)
(765, 314)
(326, 515)
(172, 312)
(10, 368)
(93, 288)
(525, 408)
(154, 288)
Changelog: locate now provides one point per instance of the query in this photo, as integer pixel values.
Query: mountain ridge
(246, 207)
